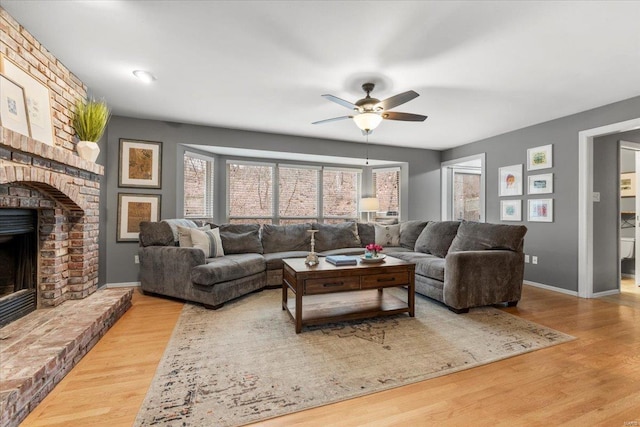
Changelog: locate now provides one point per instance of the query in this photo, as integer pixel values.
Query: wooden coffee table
(326, 293)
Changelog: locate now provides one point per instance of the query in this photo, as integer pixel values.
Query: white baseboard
(550, 288)
(606, 293)
(122, 285)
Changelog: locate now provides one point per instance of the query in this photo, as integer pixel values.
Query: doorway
(463, 189)
(629, 153)
(586, 200)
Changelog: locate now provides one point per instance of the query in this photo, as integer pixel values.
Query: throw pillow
(387, 235)
(282, 238)
(436, 238)
(367, 233)
(241, 238)
(184, 235)
(156, 234)
(479, 236)
(336, 236)
(174, 223)
(409, 232)
(209, 241)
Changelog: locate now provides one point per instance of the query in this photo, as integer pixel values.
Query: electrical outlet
(136, 259)
(534, 259)
(526, 259)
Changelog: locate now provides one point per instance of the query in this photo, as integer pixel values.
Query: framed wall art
(511, 210)
(541, 184)
(132, 210)
(510, 180)
(37, 97)
(628, 184)
(540, 210)
(540, 157)
(13, 107)
(140, 164)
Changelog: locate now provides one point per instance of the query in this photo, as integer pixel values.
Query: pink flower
(372, 247)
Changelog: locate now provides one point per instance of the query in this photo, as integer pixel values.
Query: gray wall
(423, 190)
(555, 244)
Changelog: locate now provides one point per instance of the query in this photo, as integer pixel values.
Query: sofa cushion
(367, 233)
(290, 237)
(336, 236)
(184, 235)
(274, 259)
(241, 238)
(227, 268)
(207, 240)
(436, 237)
(387, 235)
(427, 265)
(174, 223)
(156, 234)
(409, 232)
(478, 236)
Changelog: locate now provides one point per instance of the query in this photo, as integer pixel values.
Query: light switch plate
(596, 196)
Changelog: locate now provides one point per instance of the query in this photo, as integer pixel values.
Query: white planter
(88, 150)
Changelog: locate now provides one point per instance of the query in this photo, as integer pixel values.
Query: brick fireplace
(64, 190)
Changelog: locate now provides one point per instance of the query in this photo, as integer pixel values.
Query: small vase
(88, 150)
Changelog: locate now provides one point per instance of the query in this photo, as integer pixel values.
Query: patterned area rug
(245, 363)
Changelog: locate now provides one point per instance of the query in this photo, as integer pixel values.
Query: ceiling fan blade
(398, 99)
(335, 119)
(341, 101)
(405, 117)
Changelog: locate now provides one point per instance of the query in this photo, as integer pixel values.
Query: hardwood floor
(594, 380)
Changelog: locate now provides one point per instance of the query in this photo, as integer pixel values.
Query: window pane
(198, 186)
(466, 196)
(284, 221)
(387, 190)
(260, 221)
(250, 190)
(340, 193)
(298, 192)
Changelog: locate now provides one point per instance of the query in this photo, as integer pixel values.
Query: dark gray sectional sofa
(461, 264)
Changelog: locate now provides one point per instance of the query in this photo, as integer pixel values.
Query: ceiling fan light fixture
(367, 121)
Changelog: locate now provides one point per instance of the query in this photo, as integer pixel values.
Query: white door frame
(446, 185)
(585, 200)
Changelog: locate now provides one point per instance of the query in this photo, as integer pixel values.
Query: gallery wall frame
(511, 210)
(37, 97)
(540, 157)
(134, 209)
(510, 180)
(540, 210)
(540, 184)
(13, 107)
(140, 164)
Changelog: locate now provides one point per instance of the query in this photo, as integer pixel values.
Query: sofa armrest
(166, 270)
(475, 278)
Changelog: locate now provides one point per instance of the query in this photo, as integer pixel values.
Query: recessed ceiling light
(145, 76)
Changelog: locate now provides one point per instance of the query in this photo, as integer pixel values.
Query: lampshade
(369, 204)
(367, 121)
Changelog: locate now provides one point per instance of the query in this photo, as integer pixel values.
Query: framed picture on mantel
(38, 100)
(13, 109)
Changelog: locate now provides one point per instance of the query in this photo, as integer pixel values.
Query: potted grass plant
(89, 121)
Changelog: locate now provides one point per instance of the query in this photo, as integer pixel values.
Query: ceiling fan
(369, 112)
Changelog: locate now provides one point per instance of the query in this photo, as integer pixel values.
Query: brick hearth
(38, 350)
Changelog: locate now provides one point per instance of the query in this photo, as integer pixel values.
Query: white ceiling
(481, 68)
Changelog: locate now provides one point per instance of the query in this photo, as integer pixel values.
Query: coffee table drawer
(331, 284)
(382, 280)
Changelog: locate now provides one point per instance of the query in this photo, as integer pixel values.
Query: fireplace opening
(18, 263)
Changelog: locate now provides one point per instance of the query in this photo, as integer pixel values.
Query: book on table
(342, 259)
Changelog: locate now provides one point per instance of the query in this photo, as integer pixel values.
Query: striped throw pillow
(209, 241)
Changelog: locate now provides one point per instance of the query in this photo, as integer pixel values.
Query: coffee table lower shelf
(337, 307)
